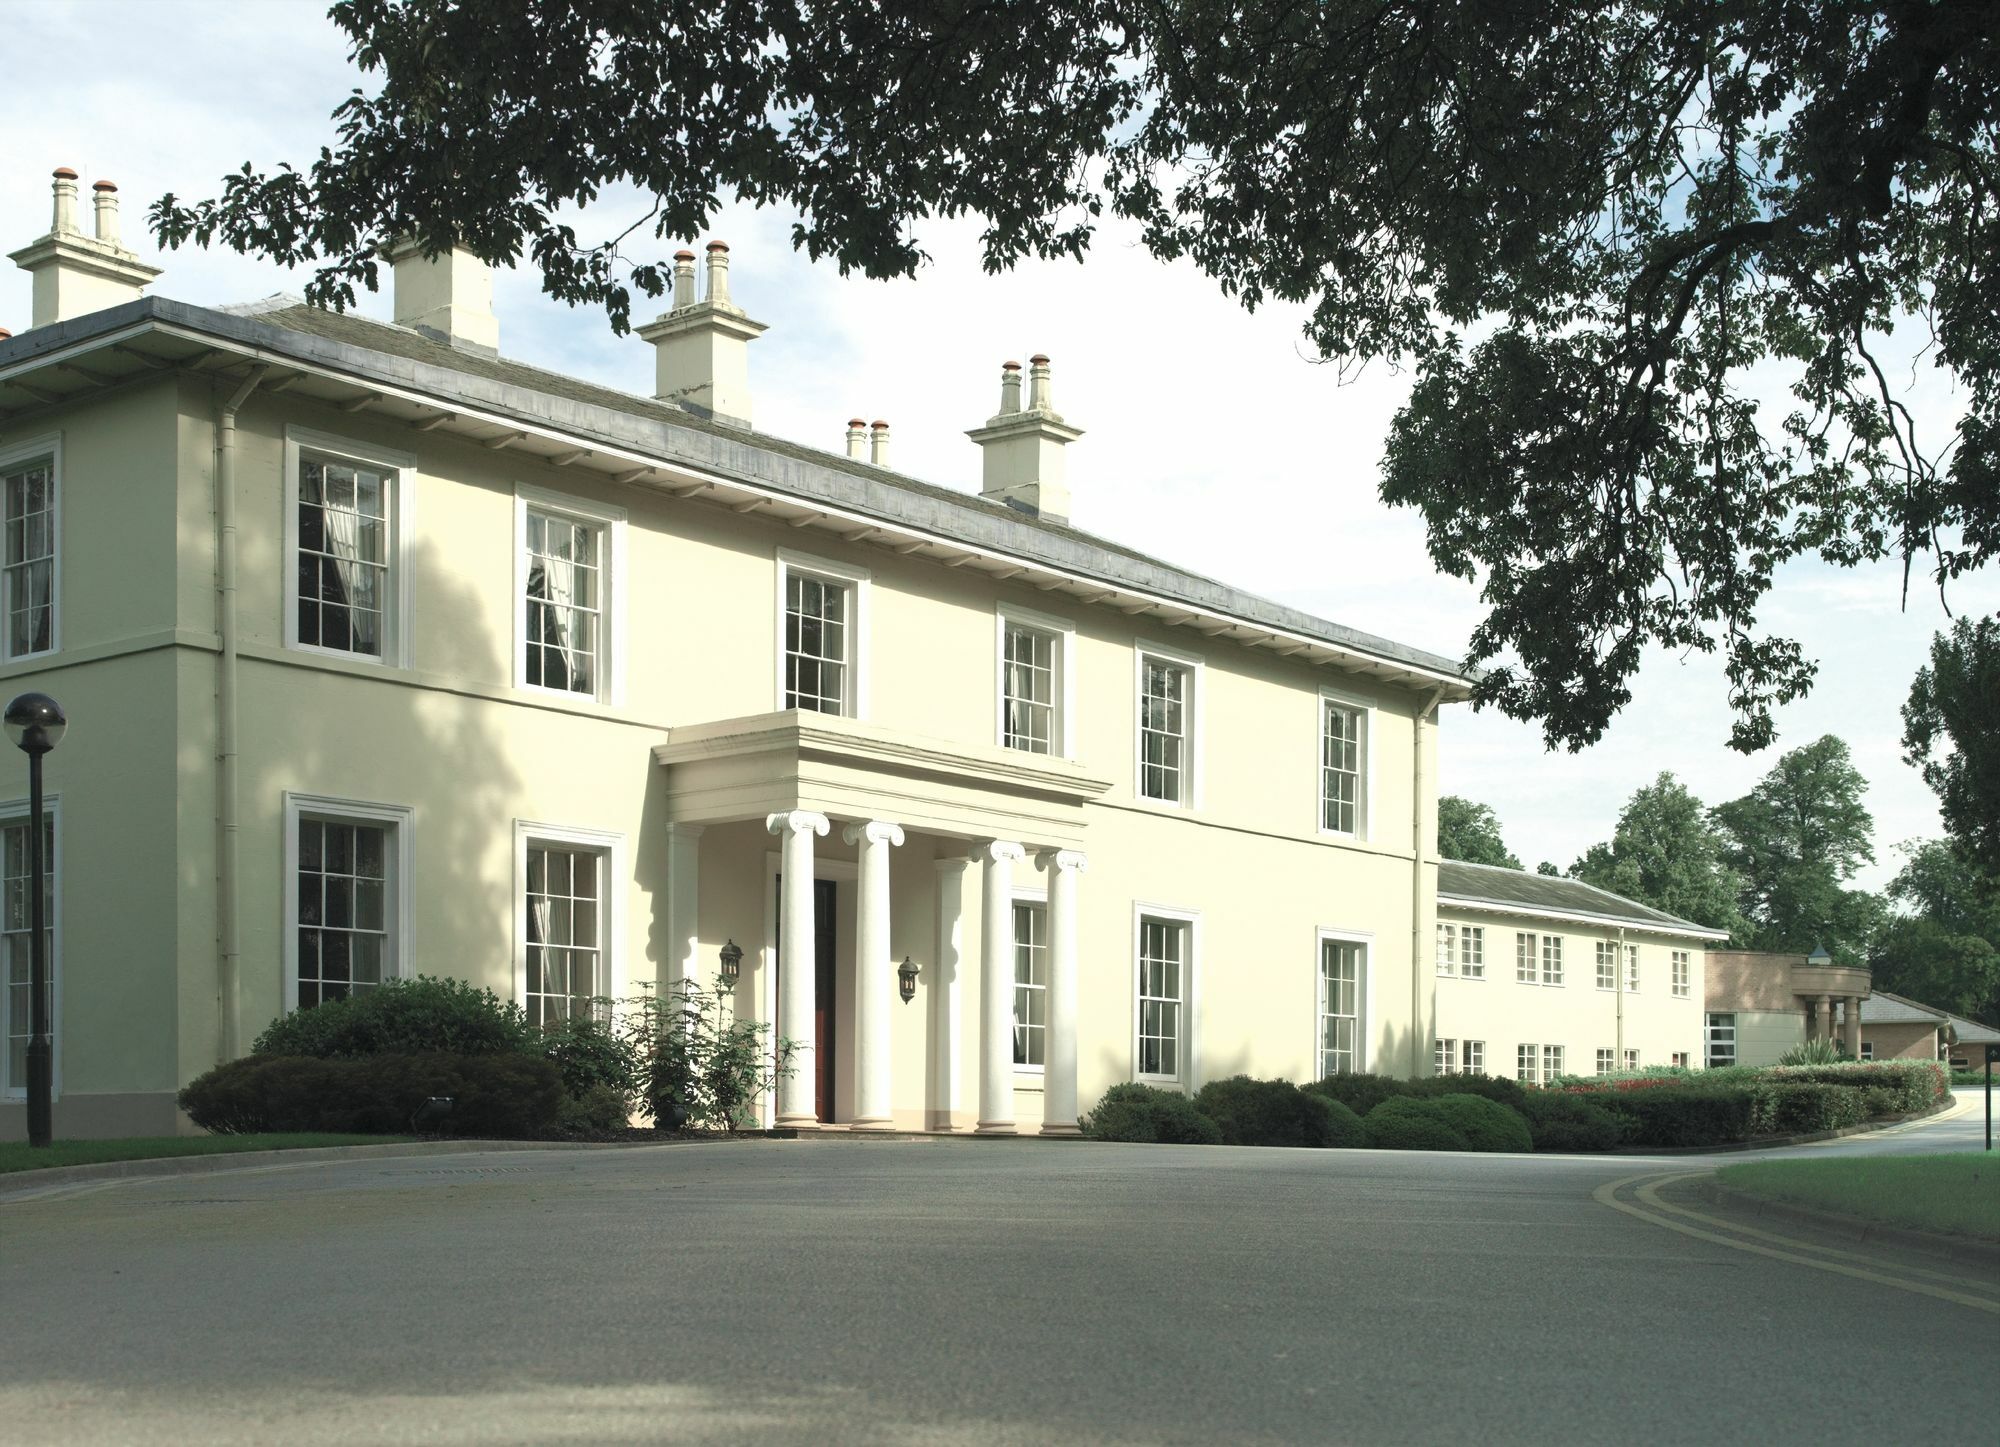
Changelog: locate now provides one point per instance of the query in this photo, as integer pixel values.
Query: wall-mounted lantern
(732, 963)
(906, 980)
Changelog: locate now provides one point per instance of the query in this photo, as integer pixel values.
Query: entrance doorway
(823, 1013)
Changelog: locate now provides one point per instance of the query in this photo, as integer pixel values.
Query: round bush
(1273, 1113)
(517, 1097)
(1509, 1093)
(1561, 1122)
(1405, 1124)
(1359, 1093)
(1487, 1125)
(420, 1016)
(1149, 1115)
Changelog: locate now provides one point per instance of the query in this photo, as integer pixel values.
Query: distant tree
(1668, 854)
(1951, 732)
(1945, 950)
(1471, 832)
(1795, 840)
(1548, 870)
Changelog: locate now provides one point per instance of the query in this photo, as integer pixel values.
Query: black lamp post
(35, 723)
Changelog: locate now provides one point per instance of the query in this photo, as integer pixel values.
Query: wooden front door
(823, 1013)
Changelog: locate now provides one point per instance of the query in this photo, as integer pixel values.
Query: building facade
(1762, 1004)
(1540, 977)
(385, 654)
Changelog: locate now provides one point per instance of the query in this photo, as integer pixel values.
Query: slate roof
(1525, 893)
(1883, 1008)
(1971, 1032)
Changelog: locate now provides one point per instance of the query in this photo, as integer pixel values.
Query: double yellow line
(1646, 1205)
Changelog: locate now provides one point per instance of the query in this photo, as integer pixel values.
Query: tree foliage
(1795, 840)
(1471, 832)
(1585, 226)
(1945, 950)
(1951, 732)
(1666, 853)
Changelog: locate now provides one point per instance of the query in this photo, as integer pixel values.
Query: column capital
(797, 821)
(951, 864)
(1065, 860)
(875, 831)
(999, 851)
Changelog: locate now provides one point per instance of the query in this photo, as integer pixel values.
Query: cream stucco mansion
(385, 654)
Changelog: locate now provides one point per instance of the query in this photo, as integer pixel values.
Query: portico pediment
(767, 763)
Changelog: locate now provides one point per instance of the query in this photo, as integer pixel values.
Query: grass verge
(18, 1156)
(1955, 1194)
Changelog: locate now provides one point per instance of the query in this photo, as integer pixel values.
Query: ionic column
(996, 989)
(874, 972)
(1059, 1064)
(1823, 1025)
(795, 829)
(1854, 1027)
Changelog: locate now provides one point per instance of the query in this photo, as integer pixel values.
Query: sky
(1213, 437)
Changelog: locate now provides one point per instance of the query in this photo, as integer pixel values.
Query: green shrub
(1878, 1100)
(403, 1017)
(1274, 1113)
(516, 1097)
(1683, 1115)
(1508, 1092)
(1486, 1124)
(697, 1063)
(1562, 1121)
(1147, 1114)
(596, 1110)
(1359, 1093)
(1815, 1052)
(1916, 1084)
(1803, 1107)
(1405, 1124)
(590, 1054)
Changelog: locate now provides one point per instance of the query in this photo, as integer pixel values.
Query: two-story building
(386, 654)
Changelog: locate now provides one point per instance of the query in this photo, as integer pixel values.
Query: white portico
(856, 812)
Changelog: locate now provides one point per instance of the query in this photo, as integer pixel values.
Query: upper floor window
(28, 574)
(347, 917)
(1681, 962)
(347, 536)
(1031, 985)
(822, 609)
(1524, 958)
(1034, 682)
(570, 553)
(16, 936)
(1167, 687)
(1632, 969)
(1472, 951)
(1343, 745)
(1447, 949)
(1552, 959)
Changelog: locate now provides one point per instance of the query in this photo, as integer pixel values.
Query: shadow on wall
(439, 754)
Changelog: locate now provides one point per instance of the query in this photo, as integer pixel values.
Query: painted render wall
(452, 739)
(1577, 1015)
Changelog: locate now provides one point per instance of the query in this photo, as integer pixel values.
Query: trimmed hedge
(1684, 1115)
(1510, 1093)
(1803, 1107)
(1914, 1084)
(514, 1097)
(1276, 1113)
(1359, 1093)
(1487, 1125)
(421, 1016)
(1403, 1123)
(1147, 1114)
(1563, 1121)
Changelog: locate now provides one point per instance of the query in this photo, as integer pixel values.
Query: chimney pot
(63, 173)
(106, 202)
(75, 275)
(857, 439)
(700, 345)
(718, 274)
(1022, 466)
(683, 279)
(1040, 396)
(1010, 388)
(718, 246)
(4, 334)
(878, 445)
(63, 220)
(103, 185)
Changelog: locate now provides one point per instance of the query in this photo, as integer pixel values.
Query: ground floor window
(1867, 1049)
(1341, 966)
(1631, 1060)
(1680, 1059)
(1444, 1057)
(1604, 1059)
(565, 940)
(1031, 984)
(1473, 1056)
(1163, 978)
(344, 943)
(17, 942)
(1721, 1041)
(1527, 1063)
(1552, 1062)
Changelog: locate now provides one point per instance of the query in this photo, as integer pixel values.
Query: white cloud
(1211, 439)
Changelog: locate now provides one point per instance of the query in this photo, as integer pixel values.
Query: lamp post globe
(36, 724)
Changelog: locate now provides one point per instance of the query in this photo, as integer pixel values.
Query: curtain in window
(539, 911)
(1020, 689)
(356, 580)
(559, 586)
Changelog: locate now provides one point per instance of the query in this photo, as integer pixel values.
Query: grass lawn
(18, 1156)
(1958, 1194)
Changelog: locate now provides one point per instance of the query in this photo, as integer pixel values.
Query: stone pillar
(1853, 1011)
(996, 992)
(947, 995)
(796, 963)
(1823, 1018)
(874, 973)
(1059, 1066)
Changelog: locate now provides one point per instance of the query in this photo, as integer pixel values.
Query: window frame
(1444, 1055)
(1528, 972)
(399, 596)
(1553, 969)
(1447, 954)
(859, 582)
(1472, 952)
(1364, 995)
(610, 847)
(397, 911)
(1531, 1073)
(1682, 962)
(1710, 1038)
(1607, 1060)
(1678, 1059)
(13, 811)
(1630, 1060)
(1190, 923)
(610, 523)
(1554, 1063)
(1472, 1057)
(1062, 727)
(1362, 832)
(1607, 966)
(1034, 898)
(14, 455)
(1191, 726)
